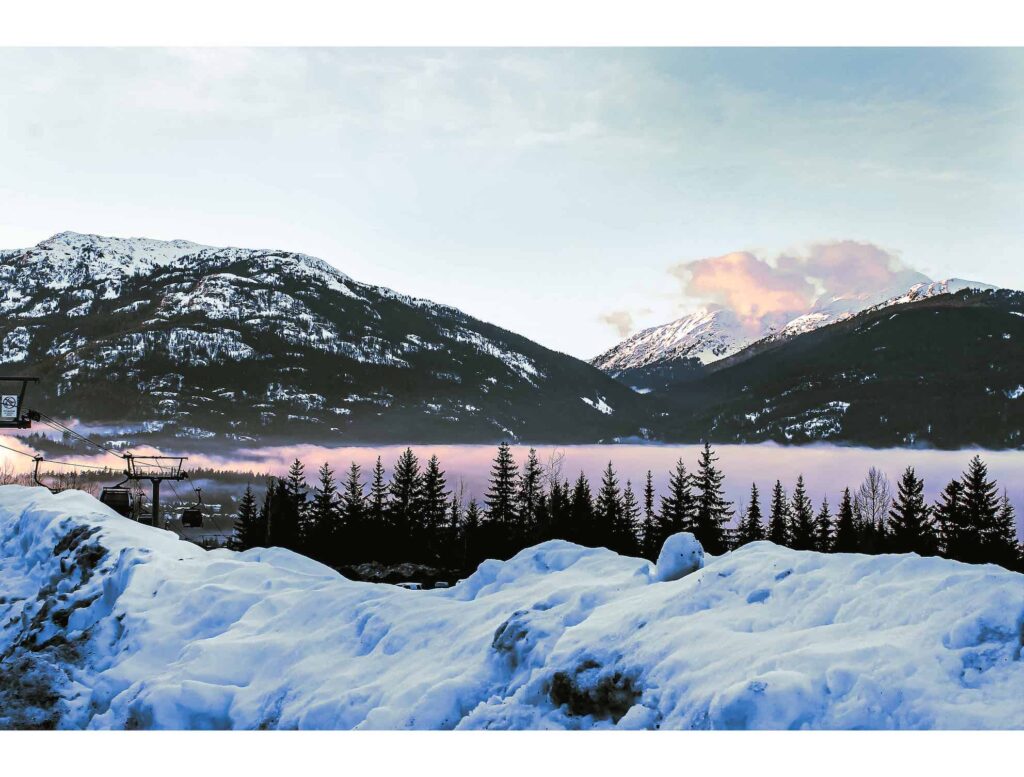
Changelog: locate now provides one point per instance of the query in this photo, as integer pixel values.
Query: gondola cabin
(120, 500)
(192, 517)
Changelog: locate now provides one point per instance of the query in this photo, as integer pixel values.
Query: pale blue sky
(538, 189)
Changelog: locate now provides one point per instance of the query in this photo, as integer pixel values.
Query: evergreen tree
(377, 503)
(283, 521)
(247, 532)
(778, 517)
(403, 508)
(980, 506)
(560, 524)
(846, 539)
(530, 491)
(910, 524)
(1001, 543)
(451, 534)
(324, 536)
(263, 518)
(751, 528)
(353, 513)
(471, 534)
(627, 532)
(377, 531)
(297, 491)
(433, 507)
(823, 528)
(711, 510)
(581, 512)
(950, 520)
(542, 521)
(607, 511)
(678, 507)
(802, 527)
(501, 494)
(649, 531)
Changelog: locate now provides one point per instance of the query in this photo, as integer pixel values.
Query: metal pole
(156, 501)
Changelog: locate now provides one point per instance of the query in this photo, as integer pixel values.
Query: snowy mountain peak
(67, 245)
(708, 334)
(713, 333)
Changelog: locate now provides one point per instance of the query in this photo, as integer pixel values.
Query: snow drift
(105, 623)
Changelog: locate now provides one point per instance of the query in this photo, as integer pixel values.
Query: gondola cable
(52, 461)
(68, 430)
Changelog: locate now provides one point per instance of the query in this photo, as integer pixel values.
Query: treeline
(414, 516)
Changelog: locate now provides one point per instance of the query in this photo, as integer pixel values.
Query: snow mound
(681, 555)
(105, 623)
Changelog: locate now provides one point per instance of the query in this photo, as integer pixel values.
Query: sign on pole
(9, 406)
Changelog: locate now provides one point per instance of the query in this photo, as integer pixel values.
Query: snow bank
(105, 623)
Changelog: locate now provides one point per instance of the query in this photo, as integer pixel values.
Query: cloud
(848, 267)
(746, 284)
(620, 320)
(764, 292)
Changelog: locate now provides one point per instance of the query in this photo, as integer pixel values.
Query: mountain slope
(177, 340)
(109, 624)
(678, 351)
(946, 371)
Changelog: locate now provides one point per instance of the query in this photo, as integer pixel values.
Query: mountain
(704, 336)
(938, 369)
(170, 339)
(679, 351)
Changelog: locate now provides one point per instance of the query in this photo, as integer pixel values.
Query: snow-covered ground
(105, 623)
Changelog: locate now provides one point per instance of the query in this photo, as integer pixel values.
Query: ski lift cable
(52, 461)
(62, 428)
(73, 464)
(15, 450)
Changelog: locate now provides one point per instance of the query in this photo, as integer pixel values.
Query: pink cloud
(848, 267)
(746, 284)
(762, 292)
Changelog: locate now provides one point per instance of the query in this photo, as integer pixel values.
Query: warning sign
(9, 406)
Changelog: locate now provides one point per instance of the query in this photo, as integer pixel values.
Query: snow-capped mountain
(714, 333)
(184, 340)
(707, 335)
(847, 306)
(931, 369)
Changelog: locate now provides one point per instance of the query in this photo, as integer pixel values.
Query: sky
(570, 195)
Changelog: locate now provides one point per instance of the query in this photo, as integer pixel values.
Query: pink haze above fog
(827, 469)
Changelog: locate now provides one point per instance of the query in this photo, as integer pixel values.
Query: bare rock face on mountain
(170, 339)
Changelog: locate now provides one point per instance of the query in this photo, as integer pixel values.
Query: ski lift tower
(155, 469)
(12, 398)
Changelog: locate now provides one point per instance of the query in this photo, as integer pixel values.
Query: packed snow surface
(110, 624)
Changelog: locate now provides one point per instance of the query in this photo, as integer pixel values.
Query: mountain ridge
(714, 333)
(943, 371)
(153, 332)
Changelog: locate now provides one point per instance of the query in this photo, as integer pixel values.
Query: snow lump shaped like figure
(680, 555)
